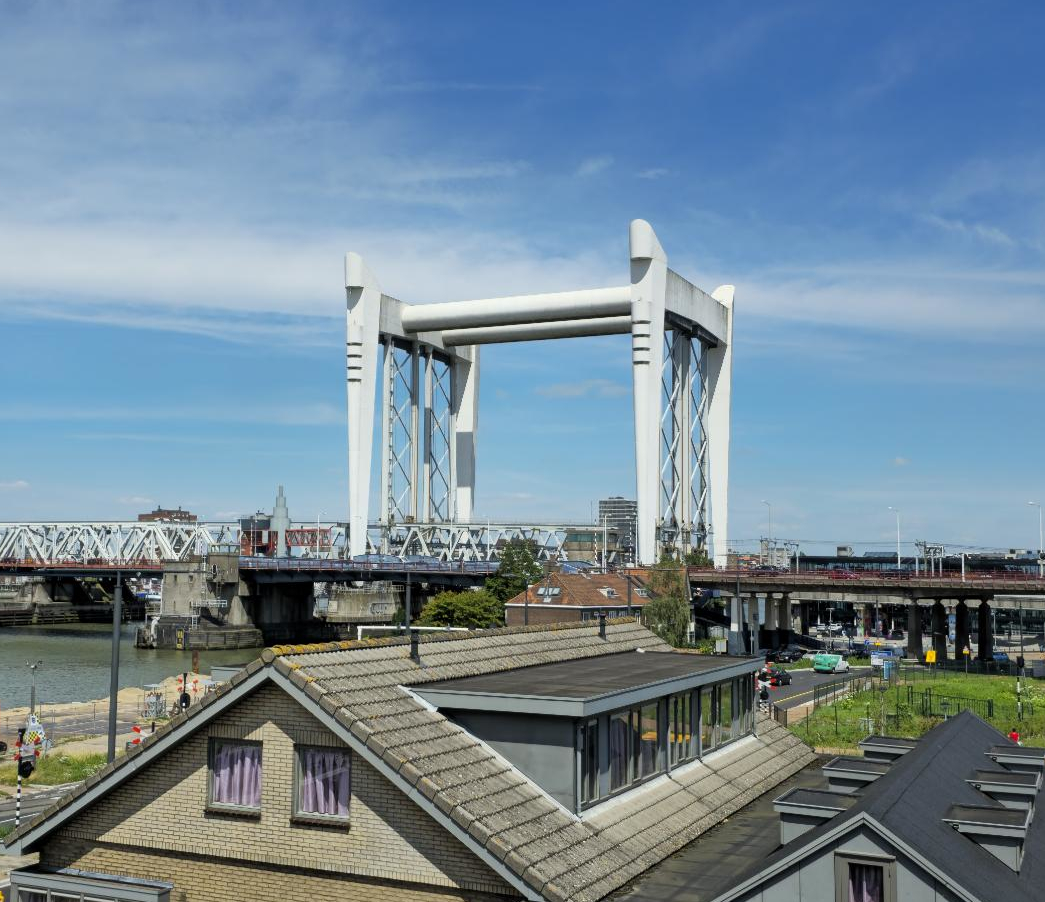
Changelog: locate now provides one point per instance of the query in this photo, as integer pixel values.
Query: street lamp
(1041, 536)
(895, 511)
(770, 537)
(32, 692)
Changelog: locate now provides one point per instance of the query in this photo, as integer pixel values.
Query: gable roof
(582, 590)
(360, 690)
(908, 804)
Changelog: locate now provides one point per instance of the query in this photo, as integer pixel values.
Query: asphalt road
(32, 802)
(802, 683)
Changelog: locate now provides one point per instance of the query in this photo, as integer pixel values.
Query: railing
(825, 577)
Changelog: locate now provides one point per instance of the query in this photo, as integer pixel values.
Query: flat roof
(587, 685)
(987, 816)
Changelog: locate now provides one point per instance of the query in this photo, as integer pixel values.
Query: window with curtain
(620, 751)
(589, 749)
(324, 783)
(648, 734)
(680, 728)
(725, 708)
(866, 883)
(708, 719)
(236, 774)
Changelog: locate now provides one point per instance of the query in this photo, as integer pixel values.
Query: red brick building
(575, 596)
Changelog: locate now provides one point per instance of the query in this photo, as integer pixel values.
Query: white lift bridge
(417, 367)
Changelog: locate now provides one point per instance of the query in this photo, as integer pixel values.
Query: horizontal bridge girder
(571, 328)
(528, 308)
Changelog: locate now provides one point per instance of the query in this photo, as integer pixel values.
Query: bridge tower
(427, 360)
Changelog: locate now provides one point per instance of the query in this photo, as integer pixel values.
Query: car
(785, 655)
(770, 568)
(775, 676)
(830, 663)
(1001, 657)
(896, 635)
(842, 574)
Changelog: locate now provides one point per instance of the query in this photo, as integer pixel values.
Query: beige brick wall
(163, 809)
(199, 878)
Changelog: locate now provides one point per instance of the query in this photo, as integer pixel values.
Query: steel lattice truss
(401, 440)
(476, 541)
(437, 446)
(113, 542)
(682, 520)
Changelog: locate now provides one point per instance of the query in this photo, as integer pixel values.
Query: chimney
(602, 624)
(415, 651)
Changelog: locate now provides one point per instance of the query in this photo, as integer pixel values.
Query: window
(323, 783)
(708, 718)
(235, 775)
(588, 741)
(648, 740)
(621, 769)
(860, 878)
(681, 746)
(725, 713)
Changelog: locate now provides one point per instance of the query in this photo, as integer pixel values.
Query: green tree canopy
(667, 612)
(472, 609)
(518, 569)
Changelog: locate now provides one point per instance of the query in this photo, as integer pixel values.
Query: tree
(471, 609)
(698, 558)
(668, 610)
(518, 569)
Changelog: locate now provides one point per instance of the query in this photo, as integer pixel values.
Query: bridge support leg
(803, 617)
(939, 621)
(914, 630)
(961, 630)
(783, 621)
(986, 633)
(735, 642)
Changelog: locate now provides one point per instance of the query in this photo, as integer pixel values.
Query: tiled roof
(583, 590)
(554, 853)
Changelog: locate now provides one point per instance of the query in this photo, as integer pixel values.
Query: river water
(76, 662)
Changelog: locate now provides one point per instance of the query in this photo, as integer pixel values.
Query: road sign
(930, 656)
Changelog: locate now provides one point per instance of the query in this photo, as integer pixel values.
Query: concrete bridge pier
(767, 632)
(986, 634)
(803, 609)
(961, 630)
(735, 640)
(914, 630)
(783, 621)
(939, 626)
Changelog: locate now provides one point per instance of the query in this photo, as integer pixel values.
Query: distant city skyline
(174, 213)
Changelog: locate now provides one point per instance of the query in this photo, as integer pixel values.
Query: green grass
(56, 768)
(847, 721)
(5, 829)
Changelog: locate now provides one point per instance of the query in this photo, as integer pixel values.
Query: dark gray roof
(1005, 777)
(594, 677)
(365, 689)
(912, 800)
(986, 815)
(819, 798)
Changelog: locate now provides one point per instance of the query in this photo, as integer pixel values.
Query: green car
(830, 663)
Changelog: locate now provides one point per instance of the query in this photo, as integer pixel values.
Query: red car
(842, 574)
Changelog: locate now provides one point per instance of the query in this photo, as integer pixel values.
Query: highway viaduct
(783, 591)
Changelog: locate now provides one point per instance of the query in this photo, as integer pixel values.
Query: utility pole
(895, 511)
(1041, 540)
(770, 536)
(114, 666)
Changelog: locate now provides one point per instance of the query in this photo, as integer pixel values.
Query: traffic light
(26, 767)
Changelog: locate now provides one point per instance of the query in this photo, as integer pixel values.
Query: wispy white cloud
(594, 165)
(900, 462)
(989, 233)
(597, 388)
(13, 485)
(656, 172)
(134, 500)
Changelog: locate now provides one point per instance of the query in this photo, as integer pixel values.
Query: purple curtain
(324, 787)
(618, 751)
(866, 883)
(237, 775)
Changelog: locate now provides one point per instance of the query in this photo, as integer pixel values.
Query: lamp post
(1041, 539)
(770, 536)
(32, 692)
(895, 511)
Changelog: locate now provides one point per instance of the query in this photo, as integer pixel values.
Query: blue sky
(178, 187)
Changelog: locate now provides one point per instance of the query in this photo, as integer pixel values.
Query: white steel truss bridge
(114, 544)
(418, 364)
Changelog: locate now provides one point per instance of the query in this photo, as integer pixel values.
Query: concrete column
(719, 382)
(767, 637)
(986, 634)
(783, 621)
(961, 630)
(939, 623)
(735, 641)
(803, 617)
(914, 630)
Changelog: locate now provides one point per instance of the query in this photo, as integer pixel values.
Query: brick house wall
(156, 826)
